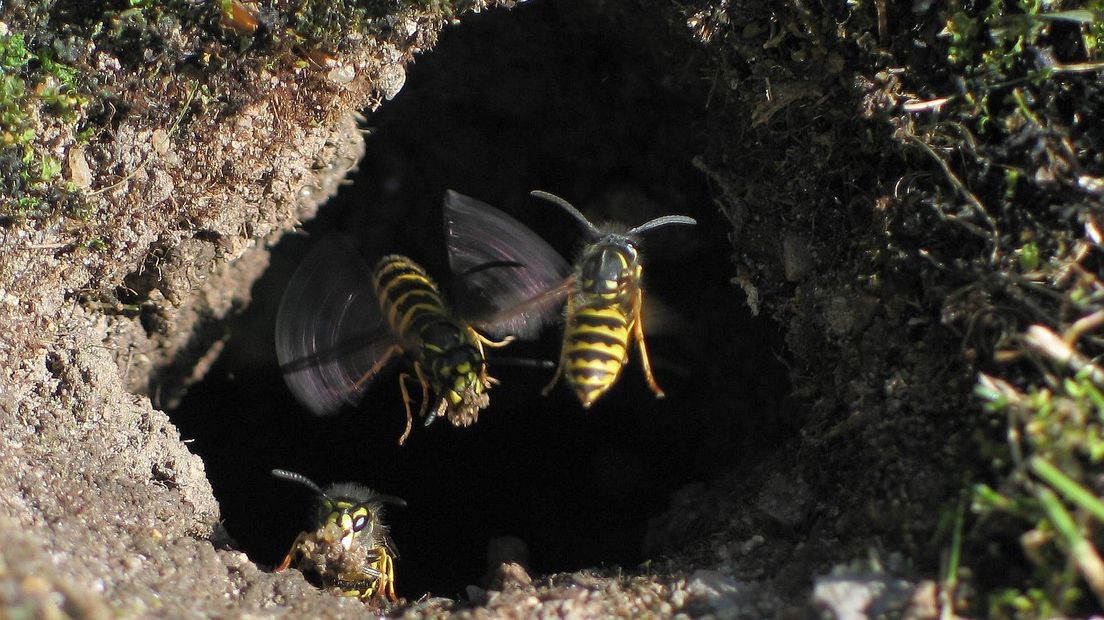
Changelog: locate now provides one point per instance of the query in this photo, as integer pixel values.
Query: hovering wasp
(341, 322)
(349, 548)
(604, 297)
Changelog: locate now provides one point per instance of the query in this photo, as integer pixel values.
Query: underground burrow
(546, 96)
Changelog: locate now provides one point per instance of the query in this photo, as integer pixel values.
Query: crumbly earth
(105, 512)
(199, 141)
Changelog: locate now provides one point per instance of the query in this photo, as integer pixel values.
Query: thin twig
(1045, 342)
(925, 106)
(957, 183)
(1083, 325)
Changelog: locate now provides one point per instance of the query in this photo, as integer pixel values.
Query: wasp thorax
(442, 335)
(460, 367)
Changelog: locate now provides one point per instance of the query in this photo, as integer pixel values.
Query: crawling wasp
(341, 322)
(349, 548)
(604, 297)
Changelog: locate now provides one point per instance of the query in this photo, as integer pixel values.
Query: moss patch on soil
(937, 187)
(150, 152)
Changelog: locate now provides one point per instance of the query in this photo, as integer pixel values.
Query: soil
(819, 332)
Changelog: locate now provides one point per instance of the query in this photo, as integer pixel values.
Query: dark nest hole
(547, 96)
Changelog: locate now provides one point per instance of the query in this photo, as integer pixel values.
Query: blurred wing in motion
(331, 337)
(510, 279)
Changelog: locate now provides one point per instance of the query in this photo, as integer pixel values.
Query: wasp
(349, 548)
(604, 298)
(340, 322)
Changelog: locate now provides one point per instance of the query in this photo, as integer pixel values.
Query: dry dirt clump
(151, 150)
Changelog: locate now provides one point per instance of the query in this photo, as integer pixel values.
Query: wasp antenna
(567, 206)
(391, 499)
(300, 478)
(524, 362)
(666, 220)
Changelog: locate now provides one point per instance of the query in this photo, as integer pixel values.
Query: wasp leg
(386, 582)
(374, 556)
(291, 554)
(371, 582)
(406, 399)
(481, 340)
(569, 317)
(425, 393)
(386, 357)
(486, 379)
(425, 389)
(638, 333)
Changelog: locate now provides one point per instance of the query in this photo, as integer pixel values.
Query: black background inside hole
(548, 96)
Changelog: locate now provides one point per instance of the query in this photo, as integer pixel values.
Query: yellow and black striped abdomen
(596, 348)
(408, 297)
(444, 351)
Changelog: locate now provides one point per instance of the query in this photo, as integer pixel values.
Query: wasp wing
(331, 336)
(506, 270)
(388, 543)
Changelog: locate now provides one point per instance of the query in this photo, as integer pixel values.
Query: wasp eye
(359, 523)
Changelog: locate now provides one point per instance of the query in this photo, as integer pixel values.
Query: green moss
(96, 244)
(33, 83)
(1029, 257)
(997, 49)
(1012, 150)
(49, 84)
(1013, 603)
(335, 25)
(14, 121)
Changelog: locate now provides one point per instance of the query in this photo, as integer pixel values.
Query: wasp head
(609, 265)
(611, 261)
(348, 511)
(353, 509)
(464, 391)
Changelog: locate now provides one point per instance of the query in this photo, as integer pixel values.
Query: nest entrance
(546, 96)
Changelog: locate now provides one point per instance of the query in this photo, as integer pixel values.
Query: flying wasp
(340, 322)
(349, 548)
(604, 298)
